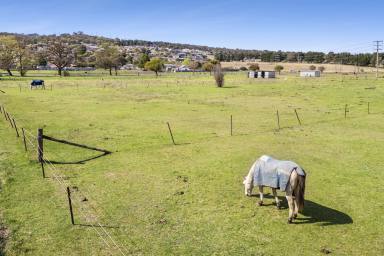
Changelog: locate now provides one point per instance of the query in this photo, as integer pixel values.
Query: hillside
(170, 50)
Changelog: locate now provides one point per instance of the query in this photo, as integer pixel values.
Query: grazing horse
(37, 83)
(277, 174)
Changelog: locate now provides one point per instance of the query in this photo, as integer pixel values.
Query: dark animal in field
(38, 83)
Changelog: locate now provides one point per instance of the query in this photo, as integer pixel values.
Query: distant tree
(187, 61)
(155, 65)
(279, 68)
(108, 57)
(23, 56)
(41, 59)
(321, 69)
(214, 62)
(218, 75)
(312, 67)
(144, 58)
(208, 66)
(129, 59)
(254, 67)
(291, 57)
(194, 65)
(8, 46)
(60, 54)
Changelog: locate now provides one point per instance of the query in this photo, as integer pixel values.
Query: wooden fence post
(40, 147)
(170, 132)
(70, 205)
(17, 131)
(25, 142)
(10, 120)
(42, 169)
(5, 113)
(278, 119)
(368, 108)
(345, 111)
(231, 125)
(297, 116)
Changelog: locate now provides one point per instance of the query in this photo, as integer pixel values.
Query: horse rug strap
(274, 173)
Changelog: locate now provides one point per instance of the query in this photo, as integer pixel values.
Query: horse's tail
(299, 191)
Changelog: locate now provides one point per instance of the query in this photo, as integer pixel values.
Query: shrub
(66, 73)
(243, 68)
(312, 67)
(254, 67)
(321, 69)
(278, 68)
(219, 75)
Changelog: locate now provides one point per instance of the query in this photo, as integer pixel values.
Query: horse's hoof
(294, 216)
(278, 206)
(290, 221)
(260, 203)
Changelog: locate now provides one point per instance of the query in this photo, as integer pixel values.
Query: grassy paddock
(156, 198)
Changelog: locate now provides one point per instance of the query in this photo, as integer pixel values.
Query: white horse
(294, 187)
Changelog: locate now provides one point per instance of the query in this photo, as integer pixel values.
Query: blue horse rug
(274, 173)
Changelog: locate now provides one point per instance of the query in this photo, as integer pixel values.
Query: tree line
(22, 52)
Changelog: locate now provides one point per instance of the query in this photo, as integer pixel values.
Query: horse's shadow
(316, 213)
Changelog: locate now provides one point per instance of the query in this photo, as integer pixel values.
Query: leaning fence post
(231, 125)
(9, 119)
(170, 132)
(70, 205)
(5, 113)
(278, 119)
(40, 147)
(17, 131)
(25, 142)
(297, 116)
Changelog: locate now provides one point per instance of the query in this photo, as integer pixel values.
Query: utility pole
(377, 45)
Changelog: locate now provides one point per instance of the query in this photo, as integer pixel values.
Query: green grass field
(154, 198)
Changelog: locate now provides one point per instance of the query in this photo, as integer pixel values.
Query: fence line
(65, 184)
(62, 182)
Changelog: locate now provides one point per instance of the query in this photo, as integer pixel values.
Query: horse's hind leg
(296, 209)
(261, 195)
(291, 207)
(276, 198)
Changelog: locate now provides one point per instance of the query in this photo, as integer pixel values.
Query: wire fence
(91, 213)
(87, 214)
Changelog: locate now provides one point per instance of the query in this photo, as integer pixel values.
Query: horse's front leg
(261, 195)
(276, 198)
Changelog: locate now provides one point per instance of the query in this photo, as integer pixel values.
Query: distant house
(169, 67)
(261, 74)
(49, 66)
(183, 68)
(128, 67)
(310, 73)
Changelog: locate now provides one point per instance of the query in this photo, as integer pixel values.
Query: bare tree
(60, 54)
(7, 53)
(108, 57)
(219, 75)
(22, 54)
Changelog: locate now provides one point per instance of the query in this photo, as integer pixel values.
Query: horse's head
(248, 186)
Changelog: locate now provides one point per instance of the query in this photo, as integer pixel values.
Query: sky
(297, 25)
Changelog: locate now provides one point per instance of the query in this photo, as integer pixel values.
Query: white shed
(310, 73)
(261, 74)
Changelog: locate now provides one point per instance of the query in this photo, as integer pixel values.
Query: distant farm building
(261, 74)
(310, 73)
